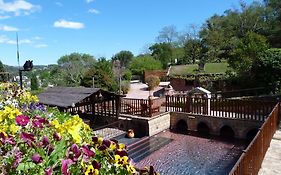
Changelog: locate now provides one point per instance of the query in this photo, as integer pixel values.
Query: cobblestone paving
(271, 164)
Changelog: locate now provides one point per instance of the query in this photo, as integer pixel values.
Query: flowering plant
(37, 140)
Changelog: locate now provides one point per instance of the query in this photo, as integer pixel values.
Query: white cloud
(18, 7)
(89, 1)
(5, 40)
(8, 28)
(37, 38)
(93, 11)
(68, 24)
(4, 16)
(40, 45)
(59, 4)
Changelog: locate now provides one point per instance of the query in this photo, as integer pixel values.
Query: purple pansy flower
(36, 158)
(45, 141)
(56, 136)
(27, 137)
(73, 152)
(22, 120)
(49, 171)
(64, 166)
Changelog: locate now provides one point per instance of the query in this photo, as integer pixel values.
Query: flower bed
(39, 140)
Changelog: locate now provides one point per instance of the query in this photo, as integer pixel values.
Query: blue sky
(49, 29)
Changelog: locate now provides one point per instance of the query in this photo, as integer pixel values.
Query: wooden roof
(65, 96)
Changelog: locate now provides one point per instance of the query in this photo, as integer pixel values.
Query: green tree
(72, 67)
(103, 76)
(162, 52)
(143, 63)
(125, 57)
(193, 50)
(34, 82)
(2, 68)
(268, 70)
(246, 53)
(168, 34)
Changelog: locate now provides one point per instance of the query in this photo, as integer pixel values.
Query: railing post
(150, 103)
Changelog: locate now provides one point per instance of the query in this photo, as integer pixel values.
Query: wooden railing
(141, 107)
(251, 159)
(228, 108)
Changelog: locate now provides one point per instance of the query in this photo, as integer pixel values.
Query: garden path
(272, 161)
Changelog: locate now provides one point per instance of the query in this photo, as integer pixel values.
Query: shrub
(152, 81)
(125, 87)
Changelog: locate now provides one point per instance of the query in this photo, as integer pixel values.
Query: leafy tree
(2, 69)
(125, 57)
(34, 82)
(72, 67)
(103, 76)
(168, 34)
(246, 53)
(162, 52)
(144, 62)
(193, 50)
(127, 75)
(268, 70)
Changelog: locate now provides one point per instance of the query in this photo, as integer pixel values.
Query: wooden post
(150, 103)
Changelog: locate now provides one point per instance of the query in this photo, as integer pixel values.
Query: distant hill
(14, 70)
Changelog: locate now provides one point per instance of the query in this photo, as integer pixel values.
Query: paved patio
(271, 164)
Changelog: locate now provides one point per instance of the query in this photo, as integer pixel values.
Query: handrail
(251, 159)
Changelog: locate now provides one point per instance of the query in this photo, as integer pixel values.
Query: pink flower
(37, 124)
(49, 171)
(45, 141)
(87, 151)
(64, 166)
(22, 120)
(36, 158)
(56, 136)
(73, 152)
(27, 137)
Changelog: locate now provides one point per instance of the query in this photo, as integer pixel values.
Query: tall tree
(125, 57)
(103, 76)
(143, 63)
(168, 34)
(162, 52)
(72, 67)
(34, 82)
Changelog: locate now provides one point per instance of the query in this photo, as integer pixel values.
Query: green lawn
(193, 68)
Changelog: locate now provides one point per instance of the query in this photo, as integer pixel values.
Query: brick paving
(271, 164)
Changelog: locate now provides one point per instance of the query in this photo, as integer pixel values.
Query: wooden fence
(251, 159)
(141, 107)
(229, 108)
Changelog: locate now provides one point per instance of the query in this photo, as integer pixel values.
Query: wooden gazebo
(82, 101)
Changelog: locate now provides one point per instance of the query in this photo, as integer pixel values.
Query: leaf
(25, 166)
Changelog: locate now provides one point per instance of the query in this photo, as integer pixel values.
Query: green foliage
(103, 76)
(246, 53)
(194, 51)
(34, 82)
(125, 86)
(125, 57)
(143, 63)
(268, 70)
(72, 68)
(2, 69)
(152, 81)
(127, 75)
(162, 52)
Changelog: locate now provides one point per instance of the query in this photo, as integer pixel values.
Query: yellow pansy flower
(91, 171)
(120, 161)
(13, 128)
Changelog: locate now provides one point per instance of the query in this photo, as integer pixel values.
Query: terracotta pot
(130, 133)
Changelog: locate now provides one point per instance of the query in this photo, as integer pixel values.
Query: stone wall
(240, 127)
